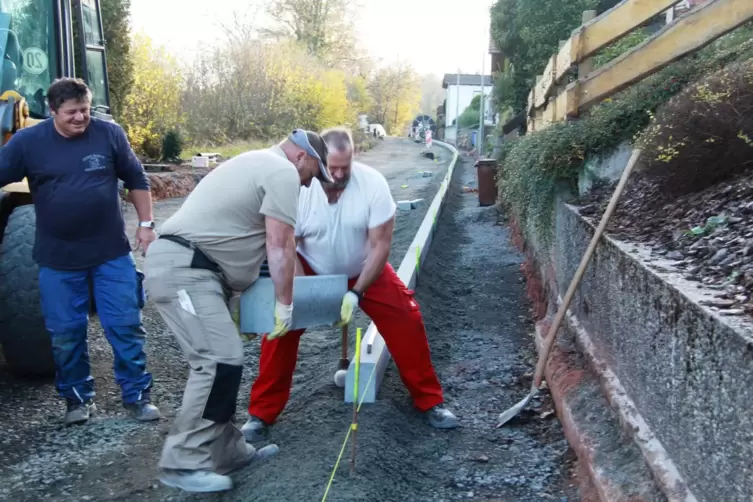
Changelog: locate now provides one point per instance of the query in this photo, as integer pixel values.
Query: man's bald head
(340, 155)
(338, 138)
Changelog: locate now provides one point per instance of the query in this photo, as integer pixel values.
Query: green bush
(701, 136)
(172, 146)
(534, 168)
(618, 48)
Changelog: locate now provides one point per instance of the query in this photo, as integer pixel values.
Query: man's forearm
(142, 202)
(375, 262)
(282, 270)
(298, 266)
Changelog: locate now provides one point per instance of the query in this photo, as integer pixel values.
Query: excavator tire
(26, 343)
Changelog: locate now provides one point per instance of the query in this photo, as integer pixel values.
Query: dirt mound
(708, 234)
(175, 184)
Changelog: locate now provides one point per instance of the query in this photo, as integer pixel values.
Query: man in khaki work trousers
(240, 214)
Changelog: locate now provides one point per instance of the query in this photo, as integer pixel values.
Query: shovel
(548, 342)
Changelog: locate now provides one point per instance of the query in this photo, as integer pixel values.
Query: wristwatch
(146, 224)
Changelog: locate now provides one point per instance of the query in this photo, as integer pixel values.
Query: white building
(682, 7)
(470, 86)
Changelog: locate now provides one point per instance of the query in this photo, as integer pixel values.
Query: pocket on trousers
(159, 288)
(140, 291)
(410, 300)
(194, 329)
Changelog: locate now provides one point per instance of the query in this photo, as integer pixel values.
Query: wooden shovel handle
(548, 342)
(344, 342)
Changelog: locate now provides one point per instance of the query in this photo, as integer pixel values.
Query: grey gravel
(476, 315)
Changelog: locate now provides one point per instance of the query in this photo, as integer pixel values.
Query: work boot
(255, 455)
(442, 418)
(143, 410)
(78, 412)
(196, 481)
(255, 430)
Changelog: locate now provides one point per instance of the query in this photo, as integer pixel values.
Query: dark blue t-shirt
(74, 185)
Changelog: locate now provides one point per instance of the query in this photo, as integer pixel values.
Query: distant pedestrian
(73, 163)
(241, 213)
(346, 227)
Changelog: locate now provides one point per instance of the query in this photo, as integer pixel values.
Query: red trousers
(397, 317)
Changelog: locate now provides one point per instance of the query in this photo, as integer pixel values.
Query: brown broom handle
(548, 342)
(344, 342)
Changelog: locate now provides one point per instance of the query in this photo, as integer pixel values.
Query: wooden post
(586, 66)
(561, 85)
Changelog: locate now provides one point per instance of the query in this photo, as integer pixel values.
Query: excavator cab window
(93, 53)
(28, 42)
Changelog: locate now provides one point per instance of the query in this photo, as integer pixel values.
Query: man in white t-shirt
(346, 228)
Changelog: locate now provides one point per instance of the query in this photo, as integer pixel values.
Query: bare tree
(432, 94)
(395, 92)
(325, 27)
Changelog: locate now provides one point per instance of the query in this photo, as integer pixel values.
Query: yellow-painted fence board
(616, 23)
(546, 84)
(688, 34)
(606, 29)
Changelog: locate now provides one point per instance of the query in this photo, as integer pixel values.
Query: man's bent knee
(220, 405)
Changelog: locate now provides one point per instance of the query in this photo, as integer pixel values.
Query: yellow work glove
(283, 320)
(235, 314)
(348, 307)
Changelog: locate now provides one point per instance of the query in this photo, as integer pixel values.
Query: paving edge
(374, 354)
(661, 466)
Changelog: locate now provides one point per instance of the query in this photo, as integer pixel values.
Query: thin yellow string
(352, 425)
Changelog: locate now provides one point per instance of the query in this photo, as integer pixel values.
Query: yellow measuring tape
(353, 425)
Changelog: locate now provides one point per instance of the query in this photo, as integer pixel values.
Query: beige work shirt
(224, 215)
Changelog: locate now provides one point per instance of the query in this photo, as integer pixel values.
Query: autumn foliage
(152, 108)
(255, 85)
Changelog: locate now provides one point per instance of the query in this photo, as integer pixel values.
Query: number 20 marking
(35, 60)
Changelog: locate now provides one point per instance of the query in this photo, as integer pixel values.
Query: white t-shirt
(334, 237)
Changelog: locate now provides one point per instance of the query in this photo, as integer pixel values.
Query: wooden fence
(553, 99)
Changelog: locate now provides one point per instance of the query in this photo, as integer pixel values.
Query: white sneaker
(196, 481)
(262, 453)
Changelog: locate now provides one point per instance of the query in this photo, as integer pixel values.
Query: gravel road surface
(476, 315)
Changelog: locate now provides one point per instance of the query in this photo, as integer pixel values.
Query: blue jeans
(65, 307)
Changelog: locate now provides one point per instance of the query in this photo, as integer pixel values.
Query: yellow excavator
(37, 44)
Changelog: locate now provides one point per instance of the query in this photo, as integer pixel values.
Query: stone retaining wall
(686, 369)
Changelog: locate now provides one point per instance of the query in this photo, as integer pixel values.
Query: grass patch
(226, 151)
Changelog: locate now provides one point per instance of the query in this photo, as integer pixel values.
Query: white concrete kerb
(374, 353)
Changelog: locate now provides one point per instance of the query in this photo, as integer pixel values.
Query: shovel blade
(505, 416)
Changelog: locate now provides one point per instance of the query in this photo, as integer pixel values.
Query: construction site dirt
(478, 322)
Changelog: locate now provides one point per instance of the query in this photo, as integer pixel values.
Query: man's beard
(338, 185)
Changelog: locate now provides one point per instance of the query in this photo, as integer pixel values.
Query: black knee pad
(221, 402)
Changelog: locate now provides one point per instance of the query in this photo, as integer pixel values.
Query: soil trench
(477, 318)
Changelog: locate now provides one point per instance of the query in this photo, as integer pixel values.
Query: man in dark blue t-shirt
(73, 162)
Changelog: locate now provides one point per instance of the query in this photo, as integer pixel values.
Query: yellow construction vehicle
(37, 43)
